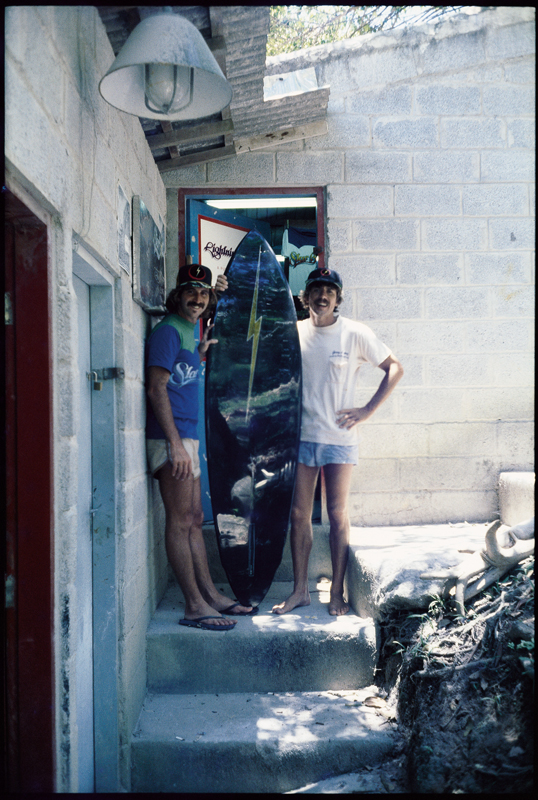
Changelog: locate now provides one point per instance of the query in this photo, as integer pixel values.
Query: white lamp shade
(166, 39)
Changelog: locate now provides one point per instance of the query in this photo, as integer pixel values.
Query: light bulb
(167, 87)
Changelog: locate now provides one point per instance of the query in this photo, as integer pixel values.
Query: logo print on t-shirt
(183, 374)
(296, 258)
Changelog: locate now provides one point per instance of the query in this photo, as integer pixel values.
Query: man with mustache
(172, 371)
(332, 350)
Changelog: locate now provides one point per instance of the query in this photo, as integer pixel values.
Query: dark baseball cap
(324, 276)
(195, 275)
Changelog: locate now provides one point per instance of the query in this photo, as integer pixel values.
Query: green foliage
(525, 644)
(437, 607)
(526, 661)
(296, 27)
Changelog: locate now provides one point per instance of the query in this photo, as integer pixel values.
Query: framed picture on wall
(148, 259)
(124, 231)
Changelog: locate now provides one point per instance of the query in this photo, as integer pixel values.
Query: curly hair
(173, 301)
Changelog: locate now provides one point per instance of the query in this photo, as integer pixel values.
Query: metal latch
(108, 374)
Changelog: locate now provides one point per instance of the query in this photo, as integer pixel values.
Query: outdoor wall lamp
(165, 70)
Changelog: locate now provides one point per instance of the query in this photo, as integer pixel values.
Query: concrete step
(385, 564)
(516, 497)
(305, 650)
(254, 742)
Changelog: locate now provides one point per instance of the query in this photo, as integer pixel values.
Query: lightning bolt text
(254, 326)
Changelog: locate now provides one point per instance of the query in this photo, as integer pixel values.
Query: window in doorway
(291, 220)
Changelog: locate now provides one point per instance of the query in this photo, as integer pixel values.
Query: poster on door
(217, 242)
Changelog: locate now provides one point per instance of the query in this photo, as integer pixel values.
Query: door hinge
(8, 309)
(10, 591)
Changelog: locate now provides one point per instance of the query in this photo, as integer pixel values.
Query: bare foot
(221, 603)
(338, 606)
(294, 601)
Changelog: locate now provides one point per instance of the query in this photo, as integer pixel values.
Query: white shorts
(158, 455)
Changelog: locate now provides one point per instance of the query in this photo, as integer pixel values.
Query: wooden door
(29, 692)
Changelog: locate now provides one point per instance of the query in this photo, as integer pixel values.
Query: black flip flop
(239, 613)
(206, 626)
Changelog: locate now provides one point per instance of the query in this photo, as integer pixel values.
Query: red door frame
(296, 191)
(29, 656)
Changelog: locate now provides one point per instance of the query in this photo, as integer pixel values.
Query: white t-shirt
(331, 359)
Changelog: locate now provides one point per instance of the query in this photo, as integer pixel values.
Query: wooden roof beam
(195, 134)
(306, 131)
(197, 158)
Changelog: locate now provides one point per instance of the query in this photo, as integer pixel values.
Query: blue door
(213, 236)
(83, 656)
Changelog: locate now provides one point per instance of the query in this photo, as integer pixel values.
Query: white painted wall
(69, 150)
(428, 165)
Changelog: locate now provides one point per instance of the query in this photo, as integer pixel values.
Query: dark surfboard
(253, 411)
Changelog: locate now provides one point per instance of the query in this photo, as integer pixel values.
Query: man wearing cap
(172, 372)
(332, 349)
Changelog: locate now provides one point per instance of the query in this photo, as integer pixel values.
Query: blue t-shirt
(171, 345)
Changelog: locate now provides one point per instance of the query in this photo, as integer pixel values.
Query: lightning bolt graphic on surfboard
(254, 326)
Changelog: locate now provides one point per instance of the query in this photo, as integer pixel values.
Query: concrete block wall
(428, 167)
(516, 497)
(68, 151)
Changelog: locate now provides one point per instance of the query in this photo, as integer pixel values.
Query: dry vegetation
(462, 690)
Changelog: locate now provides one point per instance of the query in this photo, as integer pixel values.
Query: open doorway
(291, 220)
(212, 222)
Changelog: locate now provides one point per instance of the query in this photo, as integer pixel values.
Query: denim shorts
(313, 454)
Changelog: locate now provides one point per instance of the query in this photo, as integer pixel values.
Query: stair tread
(299, 717)
(253, 742)
(313, 618)
(304, 650)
